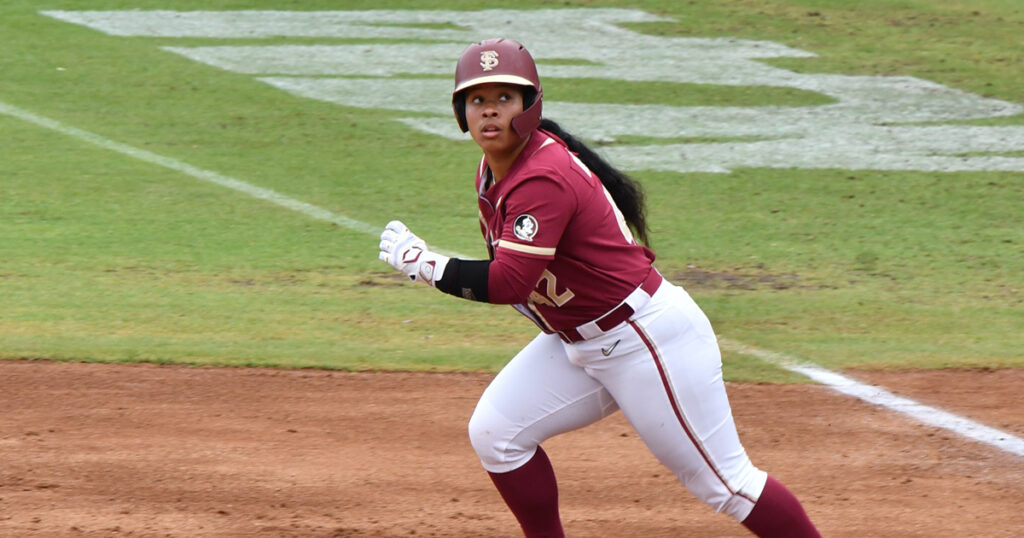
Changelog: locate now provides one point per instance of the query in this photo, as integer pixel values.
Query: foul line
(835, 381)
(198, 173)
(881, 397)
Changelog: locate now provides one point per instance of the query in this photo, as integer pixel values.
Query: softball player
(559, 224)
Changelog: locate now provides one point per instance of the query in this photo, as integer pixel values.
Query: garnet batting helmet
(503, 61)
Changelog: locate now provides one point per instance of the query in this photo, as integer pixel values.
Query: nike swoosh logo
(608, 350)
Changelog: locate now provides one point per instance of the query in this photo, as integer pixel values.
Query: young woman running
(560, 225)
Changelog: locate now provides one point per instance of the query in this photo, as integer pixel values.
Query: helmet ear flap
(529, 120)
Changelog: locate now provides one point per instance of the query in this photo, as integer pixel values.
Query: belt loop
(589, 330)
(643, 293)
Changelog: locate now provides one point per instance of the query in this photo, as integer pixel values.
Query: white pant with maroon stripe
(663, 370)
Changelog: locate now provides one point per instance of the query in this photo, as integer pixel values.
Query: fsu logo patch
(525, 227)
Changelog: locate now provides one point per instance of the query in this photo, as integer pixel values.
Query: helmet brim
(488, 79)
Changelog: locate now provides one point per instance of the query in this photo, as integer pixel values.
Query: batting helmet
(503, 61)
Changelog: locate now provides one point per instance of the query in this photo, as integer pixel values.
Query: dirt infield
(113, 450)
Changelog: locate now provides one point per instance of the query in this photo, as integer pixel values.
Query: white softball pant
(664, 371)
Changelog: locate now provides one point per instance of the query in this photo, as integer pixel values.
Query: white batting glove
(401, 249)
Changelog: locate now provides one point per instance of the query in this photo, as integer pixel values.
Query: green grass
(104, 257)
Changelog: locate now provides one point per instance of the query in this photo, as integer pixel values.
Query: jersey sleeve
(536, 214)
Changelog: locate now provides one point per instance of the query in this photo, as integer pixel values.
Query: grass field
(106, 256)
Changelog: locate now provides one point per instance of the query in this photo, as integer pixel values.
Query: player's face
(489, 112)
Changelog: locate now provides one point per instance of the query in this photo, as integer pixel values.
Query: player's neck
(501, 162)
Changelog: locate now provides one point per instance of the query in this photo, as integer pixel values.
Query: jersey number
(550, 297)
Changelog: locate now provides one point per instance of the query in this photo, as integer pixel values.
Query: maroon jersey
(562, 252)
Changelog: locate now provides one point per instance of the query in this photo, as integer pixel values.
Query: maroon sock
(778, 514)
(532, 494)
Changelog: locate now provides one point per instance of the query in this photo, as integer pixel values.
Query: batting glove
(401, 249)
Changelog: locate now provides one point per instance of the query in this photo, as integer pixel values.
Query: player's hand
(403, 250)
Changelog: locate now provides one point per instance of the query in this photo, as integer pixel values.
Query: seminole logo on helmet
(489, 59)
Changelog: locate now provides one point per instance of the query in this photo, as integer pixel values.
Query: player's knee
(479, 434)
(493, 439)
(485, 434)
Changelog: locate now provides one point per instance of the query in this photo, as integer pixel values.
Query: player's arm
(467, 279)
(504, 280)
(537, 212)
(512, 277)
(519, 258)
(405, 251)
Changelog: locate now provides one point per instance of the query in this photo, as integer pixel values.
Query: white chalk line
(198, 173)
(833, 380)
(881, 397)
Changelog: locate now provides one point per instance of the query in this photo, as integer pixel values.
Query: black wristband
(466, 279)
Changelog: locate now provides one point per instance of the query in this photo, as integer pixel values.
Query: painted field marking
(845, 385)
(881, 397)
(402, 60)
(196, 172)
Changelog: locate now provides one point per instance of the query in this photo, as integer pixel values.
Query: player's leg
(666, 374)
(779, 514)
(538, 395)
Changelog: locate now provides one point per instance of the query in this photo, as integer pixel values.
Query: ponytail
(626, 192)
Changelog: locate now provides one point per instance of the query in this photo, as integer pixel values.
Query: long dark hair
(627, 193)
